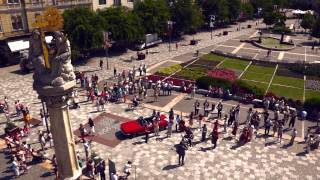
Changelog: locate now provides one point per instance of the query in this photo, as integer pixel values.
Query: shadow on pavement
(169, 167)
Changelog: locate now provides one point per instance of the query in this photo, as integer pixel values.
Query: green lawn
(293, 93)
(288, 81)
(262, 86)
(257, 76)
(236, 64)
(261, 69)
(312, 94)
(212, 57)
(169, 70)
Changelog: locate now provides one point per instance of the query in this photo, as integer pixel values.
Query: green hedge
(206, 81)
(312, 106)
(169, 70)
(242, 85)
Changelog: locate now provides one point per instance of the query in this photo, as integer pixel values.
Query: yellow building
(17, 16)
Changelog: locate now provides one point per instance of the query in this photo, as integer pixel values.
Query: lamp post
(211, 23)
(107, 45)
(170, 27)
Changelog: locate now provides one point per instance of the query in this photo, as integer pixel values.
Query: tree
(154, 15)
(124, 25)
(219, 8)
(277, 18)
(234, 7)
(186, 15)
(316, 29)
(84, 28)
(247, 10)
(308, 21)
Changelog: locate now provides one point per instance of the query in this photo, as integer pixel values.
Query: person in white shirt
(127, 169)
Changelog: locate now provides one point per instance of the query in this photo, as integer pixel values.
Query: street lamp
(212, 19)
(107, 45)
(170, 27)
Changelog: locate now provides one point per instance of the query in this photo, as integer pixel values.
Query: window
(130, 1)
(13, 1)
(102, 2)
(1, 30)
(36, 16)
(16, 23)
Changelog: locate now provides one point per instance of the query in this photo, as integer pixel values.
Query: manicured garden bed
(288, 81)
(166, 71)
(283, 70)
(191, 73)
(234, 64)
(212, 57)
(287, 92)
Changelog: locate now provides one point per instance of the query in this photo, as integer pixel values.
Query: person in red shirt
(214, 138)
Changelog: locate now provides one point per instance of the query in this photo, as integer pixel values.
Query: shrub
(243, 87)
(169, 70)
(312, 106)
(206, 81)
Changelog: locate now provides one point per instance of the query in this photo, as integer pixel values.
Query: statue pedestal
(56, 100)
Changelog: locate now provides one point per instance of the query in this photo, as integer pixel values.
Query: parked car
(136, 127)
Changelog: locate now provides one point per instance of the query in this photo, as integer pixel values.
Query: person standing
(101, 64)
(181, 150)
(114, 72)
(42, 140)
(225, 123)
(196, 107)
(200, 121)
(206, 108)
(191, 119)
(83, 132)
(235, 129)
(178, 119)
(101, 170)
(91, 125)
(293, 119)
(15, 167)
(220, 107)
(267, 125)
(204, 133)
(146, 131)
(156, 126)
(86, 148)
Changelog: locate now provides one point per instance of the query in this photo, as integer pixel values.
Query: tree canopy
(154, 15)
(187, 16)
(84, 28)
(124, 26)
(308, 21)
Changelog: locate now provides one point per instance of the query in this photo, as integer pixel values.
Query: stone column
(56, 99)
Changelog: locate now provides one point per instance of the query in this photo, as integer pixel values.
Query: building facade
(17, 16)
(100, 4)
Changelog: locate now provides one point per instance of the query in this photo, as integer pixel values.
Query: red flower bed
(223, 74)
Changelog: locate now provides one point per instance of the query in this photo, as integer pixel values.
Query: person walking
(280, 132)
(146, 131)
(127, 169)
(225, 123)
(200, 120)
(219, 108)
(15, 167)
(235, 129)
(91, 125)
(204, 133)
(275, 128)
(181, 150)
(293, 136)
(214, 138)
